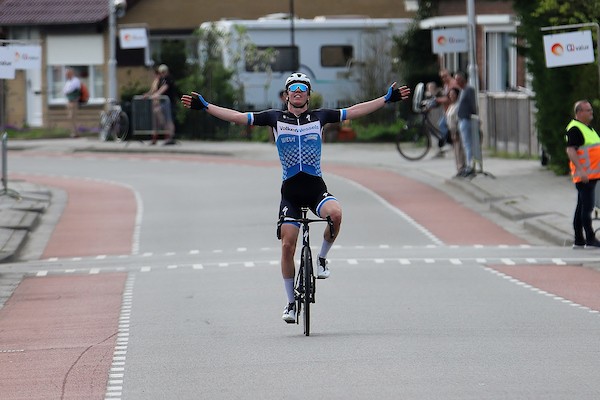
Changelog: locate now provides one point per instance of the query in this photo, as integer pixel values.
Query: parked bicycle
(415, 140)
(305, 283)
(114, 123)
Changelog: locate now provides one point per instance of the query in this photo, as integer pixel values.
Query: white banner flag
(452, 40)
(26, 56)
(7, 69)
(133, 38)
(571, 48)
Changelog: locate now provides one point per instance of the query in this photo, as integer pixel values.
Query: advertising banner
(571, 48)
(7, 69)
(133, 38)
(452, 40)
(26, 56)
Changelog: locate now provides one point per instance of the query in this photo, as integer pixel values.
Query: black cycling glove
(393, 95)
(198, 103)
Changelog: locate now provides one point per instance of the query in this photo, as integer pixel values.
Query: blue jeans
(464, 126)
(443, 126)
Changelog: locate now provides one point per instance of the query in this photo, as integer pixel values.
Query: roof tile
(52, 12)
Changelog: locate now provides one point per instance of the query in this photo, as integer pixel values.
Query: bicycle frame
(113, 122)
(415, 141)
(305, 282)
(430, 125)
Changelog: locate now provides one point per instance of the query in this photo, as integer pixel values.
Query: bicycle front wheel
(121, 127)
(413, 142)
(104, 126)
(307, 268)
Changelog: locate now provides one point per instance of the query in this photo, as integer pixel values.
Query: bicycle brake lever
(331, 228)
(279, 223)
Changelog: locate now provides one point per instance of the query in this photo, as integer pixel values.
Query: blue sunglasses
(295, 86)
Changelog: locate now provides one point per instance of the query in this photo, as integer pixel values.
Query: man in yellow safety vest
(583, 149)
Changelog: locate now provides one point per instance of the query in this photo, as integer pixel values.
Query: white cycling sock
(289, 289)
(325, 247)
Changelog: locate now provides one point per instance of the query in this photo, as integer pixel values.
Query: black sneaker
(468, 173)
(578, 245)
(289, 313)
(594, 244)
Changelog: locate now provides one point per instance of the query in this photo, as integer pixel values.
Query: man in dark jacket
(467, 106)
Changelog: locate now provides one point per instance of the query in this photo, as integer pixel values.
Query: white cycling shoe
(322, 270)
(289, 313)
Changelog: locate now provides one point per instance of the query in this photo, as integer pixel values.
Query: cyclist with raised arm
(298, 136)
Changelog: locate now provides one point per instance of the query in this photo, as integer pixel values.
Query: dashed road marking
(540, 291)
(114, 387)
(255, 263)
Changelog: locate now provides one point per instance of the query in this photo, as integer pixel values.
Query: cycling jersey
(298, 139)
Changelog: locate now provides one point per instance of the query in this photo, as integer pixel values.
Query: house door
(33, 79)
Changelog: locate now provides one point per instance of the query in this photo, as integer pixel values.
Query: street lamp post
(116, 8)
(112, 62)
(471, 26)
(293, 40)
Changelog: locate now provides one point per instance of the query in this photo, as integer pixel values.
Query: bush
(380, 133)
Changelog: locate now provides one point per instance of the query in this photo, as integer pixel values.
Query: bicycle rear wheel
(308, 286)
(121, 127)
(413, 142)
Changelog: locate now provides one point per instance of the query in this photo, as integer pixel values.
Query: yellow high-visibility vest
(589, 153)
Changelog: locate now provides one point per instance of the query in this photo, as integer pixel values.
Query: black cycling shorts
(303, 190)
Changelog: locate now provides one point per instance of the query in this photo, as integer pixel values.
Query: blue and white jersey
(298, 139)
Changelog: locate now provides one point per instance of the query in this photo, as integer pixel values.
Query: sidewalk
(21, 207)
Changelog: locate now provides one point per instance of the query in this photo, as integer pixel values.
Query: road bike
(415, 140)
(114, 123)
(305, 283)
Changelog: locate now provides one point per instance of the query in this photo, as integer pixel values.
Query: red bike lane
(58, 332)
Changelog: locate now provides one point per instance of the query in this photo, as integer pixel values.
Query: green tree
(211, 78)
(556, 89)
(217, 77)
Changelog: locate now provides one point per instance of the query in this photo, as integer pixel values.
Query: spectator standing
(452, 121)
(467, 106)
(158, 113)
(448, 82)
(166, 86)
(583, 149)
(72, 91)
(429, 105)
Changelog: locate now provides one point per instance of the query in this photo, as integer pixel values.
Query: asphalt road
(413, 309)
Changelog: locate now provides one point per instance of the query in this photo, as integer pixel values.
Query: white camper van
(331, 51)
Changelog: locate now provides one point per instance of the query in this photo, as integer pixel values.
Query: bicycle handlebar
(305, 221)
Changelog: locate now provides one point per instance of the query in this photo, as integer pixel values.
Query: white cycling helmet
(297, 77)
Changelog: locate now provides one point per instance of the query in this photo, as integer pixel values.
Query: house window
(163, 45)
(455, 62)
(83, 53)
(336, 56)
(286, 59)
(90, 75)
(501, 62)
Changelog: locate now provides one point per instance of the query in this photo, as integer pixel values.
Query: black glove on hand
(198, 103)
(393, 95)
